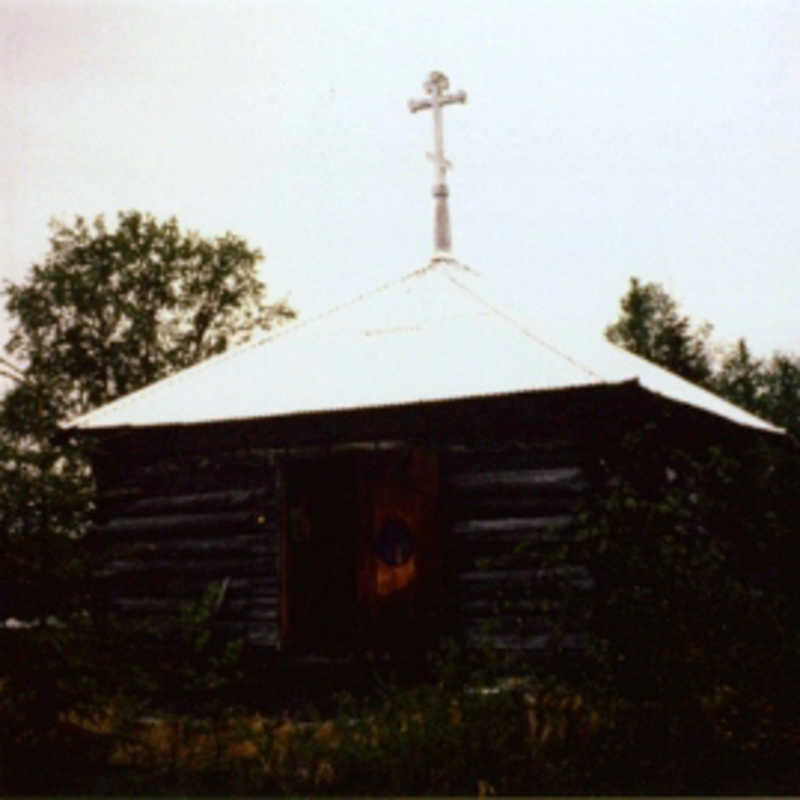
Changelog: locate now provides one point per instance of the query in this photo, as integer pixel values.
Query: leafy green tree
(650, 326)
(694, 555)
(110, 311)
(767, 387)
(107, 312)
(740, 378)
(780, 401)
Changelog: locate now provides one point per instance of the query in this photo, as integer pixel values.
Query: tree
(740, 378)
(111, 311)
(769, 388)
(690, 631)
(651, 327)
(780, 401)
(106, 313)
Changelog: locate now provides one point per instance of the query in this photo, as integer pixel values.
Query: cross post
(436, 86)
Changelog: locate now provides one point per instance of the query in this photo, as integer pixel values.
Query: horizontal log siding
(507, 509)
(168, 529)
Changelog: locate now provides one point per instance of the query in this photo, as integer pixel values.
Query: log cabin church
(345, 481)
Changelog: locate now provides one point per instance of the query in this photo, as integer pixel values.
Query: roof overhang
(434, 337)
(593, 415)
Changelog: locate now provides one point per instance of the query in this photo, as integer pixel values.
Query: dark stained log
(251, 604)
(248, 628)
(246, 545)
(231, 500)
(514, 549)
(566, 479)
(240, 611)
(265, 636)
(177, 476)
(145, 583)
(514, 530)
(153, 607)
(255, 613)
(498, 579)
(210, 568)
(511, 502)
(179, 523)
(499, 560)
(145, 605)
(524, 456)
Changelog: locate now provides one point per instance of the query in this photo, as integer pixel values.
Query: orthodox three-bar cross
(436, 86)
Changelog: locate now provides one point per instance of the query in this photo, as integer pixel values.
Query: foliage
(768, 387)
(46, 663)
(688, 685)
(679, 549)
(466, 732)
(690, 633)
(740, 377)
(429, 738)
(106, 313)
(44, 496)
(180, 661)
(111, 311)
(780, 400)
(76, 689)
(651, 326)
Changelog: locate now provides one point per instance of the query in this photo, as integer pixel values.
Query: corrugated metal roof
(433, 335)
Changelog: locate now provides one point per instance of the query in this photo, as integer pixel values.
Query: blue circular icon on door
(394, 543)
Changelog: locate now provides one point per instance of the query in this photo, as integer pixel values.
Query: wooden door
(399, 578)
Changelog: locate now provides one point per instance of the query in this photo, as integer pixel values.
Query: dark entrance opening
(360, 552)
(320, 596)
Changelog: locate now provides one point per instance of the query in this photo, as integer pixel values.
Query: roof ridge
(524, 329)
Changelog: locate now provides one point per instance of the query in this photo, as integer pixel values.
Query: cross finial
(436, 86)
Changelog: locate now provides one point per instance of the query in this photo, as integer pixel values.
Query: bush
(690, 631)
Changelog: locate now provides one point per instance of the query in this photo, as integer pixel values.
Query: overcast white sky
(600, 140)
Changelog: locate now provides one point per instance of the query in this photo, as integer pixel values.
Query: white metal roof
(433, 335)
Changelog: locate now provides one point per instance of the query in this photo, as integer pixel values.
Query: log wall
(183, 506)
(169, 529)
(509, 508)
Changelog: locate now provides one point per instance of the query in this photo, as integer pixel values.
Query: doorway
(360, 552)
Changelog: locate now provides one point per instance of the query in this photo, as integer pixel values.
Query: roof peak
(442, 260)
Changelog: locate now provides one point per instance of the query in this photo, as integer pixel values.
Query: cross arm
(443, 100)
